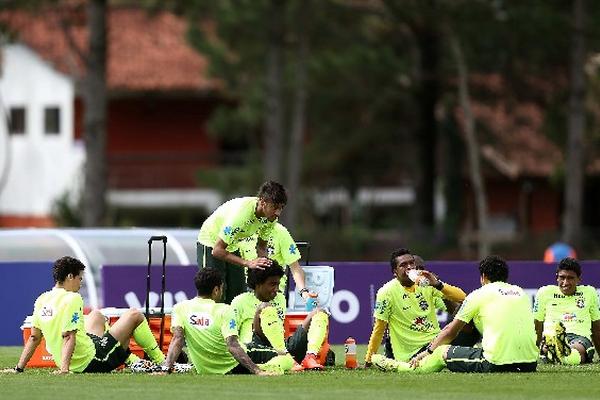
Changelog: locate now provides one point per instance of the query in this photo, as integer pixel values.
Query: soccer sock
(316, 332)
(433, 362)
(285, 363)
(131, 359)
(144, 337)
(572, 359)
(272, 328)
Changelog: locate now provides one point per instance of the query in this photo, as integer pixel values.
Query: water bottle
(311, 303)
(350, 350)
(415, 276)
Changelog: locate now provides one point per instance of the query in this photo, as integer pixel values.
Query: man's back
(206, 325)
(58, 311)
(502, 313)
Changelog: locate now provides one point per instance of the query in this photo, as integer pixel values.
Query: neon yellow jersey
(244, 307)
(410, 314)
(234, 221)
(576, 312)
(281, 247)
(58, 311)
(502, 313)
(206, 325)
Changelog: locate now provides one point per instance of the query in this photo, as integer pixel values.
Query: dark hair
(569, 264)
(494, 268)
(258, 276)
(64, 266)
(395, 254)
(273, 192)
(206, 280)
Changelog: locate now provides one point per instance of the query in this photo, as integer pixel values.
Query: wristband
(440, 285)
(303, 290)
(19, 369)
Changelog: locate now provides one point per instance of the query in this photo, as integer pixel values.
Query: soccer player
(282, 248)
(78, 346)
(235, 220)
(568, 315)
(502, 313)
(211, 333)
(261, 313)
(409, 310)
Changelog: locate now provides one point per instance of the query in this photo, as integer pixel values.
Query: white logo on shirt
(47, 313)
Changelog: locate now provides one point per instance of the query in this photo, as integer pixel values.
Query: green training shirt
(58, 311)
(234, 221)
(502, 313)
(281, 247)
(206, 325)
(244, 307)
(411, 316)
(576, 312)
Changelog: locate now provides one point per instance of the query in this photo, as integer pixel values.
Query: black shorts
(585, 342)
(296, 344)
(109, 354)
(470, 359)
(258, 353)
(234, 276)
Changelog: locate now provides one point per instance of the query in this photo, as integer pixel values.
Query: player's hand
(259, 263)
(60, 372)
(417, 359)
(309, 295)
(431, 277)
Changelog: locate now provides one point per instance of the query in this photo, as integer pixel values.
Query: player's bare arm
(446, 336)
(240, 356)
(177, 343)
(32, 343)
(596, 335)
(220, 252)
(69, 340)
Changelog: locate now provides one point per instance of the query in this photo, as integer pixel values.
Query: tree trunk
(95, 99)
(428, 40)
(483, 244)
(295, 151)
(576, 127)
(273, 140)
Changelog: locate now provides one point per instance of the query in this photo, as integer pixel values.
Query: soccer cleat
(310, 362)
(297, 367)
(144, 366)
(561, 344)
(181, 368)
(388, 364)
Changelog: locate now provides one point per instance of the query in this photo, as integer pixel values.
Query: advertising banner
(355, 287)
(22, 282)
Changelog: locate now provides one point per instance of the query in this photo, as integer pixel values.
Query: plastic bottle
(311, 303)
(350, 350)
(415, 276)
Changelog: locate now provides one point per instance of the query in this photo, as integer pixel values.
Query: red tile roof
(146, 52)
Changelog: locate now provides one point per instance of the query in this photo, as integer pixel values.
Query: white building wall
(41, 167)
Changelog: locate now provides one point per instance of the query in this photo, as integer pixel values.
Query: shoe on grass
(310, 362)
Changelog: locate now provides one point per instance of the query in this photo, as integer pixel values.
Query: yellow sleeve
(453, 293)
(375, 339)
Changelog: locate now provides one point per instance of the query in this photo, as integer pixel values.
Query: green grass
(335, 383)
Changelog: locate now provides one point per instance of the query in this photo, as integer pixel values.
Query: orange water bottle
(350, 350)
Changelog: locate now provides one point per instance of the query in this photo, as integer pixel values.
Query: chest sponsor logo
(200, 321)
(568, 317)
(421, 324)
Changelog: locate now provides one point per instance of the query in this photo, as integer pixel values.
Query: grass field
(549, 382)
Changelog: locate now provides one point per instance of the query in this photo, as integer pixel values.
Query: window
(16, 122)
(52, 120)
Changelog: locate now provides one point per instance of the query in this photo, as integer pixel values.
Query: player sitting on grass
(567, 317)
(211, 333)
(501, 312)
(409, 310)
(261, 313)
(78, 346)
